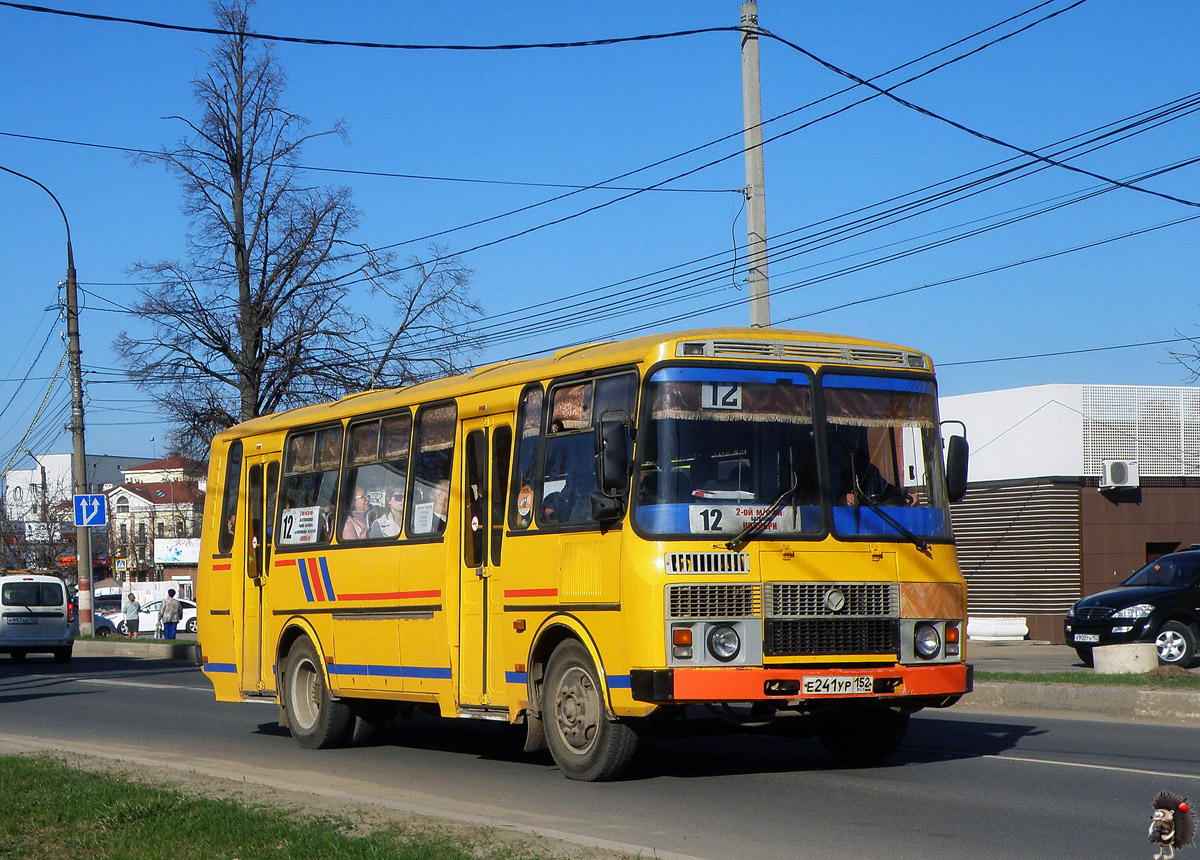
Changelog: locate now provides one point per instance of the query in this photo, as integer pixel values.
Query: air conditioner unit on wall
(1118, 474)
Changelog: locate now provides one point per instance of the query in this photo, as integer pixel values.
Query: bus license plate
(837, 685)
(1087, 637)
(21, 619)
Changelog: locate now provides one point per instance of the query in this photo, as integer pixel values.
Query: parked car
(36, 615)
(148, 617)
(1160, 603)
(107, 623)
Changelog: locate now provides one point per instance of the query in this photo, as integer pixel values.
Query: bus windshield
(722, 448)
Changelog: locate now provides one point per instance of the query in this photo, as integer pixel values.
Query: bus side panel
(428, 628)
(362, 595)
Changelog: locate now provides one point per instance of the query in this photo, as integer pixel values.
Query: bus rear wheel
(585, 744)
(315, 718)
(863, 735)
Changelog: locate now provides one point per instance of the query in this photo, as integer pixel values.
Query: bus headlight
(926, 641)
(723, 642)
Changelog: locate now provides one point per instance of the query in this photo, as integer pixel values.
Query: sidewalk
(1066, 699)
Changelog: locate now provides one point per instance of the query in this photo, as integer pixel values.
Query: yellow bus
(587, 544)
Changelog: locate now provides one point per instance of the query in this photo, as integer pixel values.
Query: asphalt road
(962, 785)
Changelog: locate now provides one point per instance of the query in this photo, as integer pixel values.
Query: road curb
(1115, 701)
(161, 650)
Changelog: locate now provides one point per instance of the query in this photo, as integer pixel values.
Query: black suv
(1160, 604)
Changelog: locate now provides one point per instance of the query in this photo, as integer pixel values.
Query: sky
(1008, 270)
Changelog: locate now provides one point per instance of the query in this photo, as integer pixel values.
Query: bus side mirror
(956, 467)
(612, 465)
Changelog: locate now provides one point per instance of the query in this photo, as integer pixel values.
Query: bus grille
(815, 599)
(708, 562)
(820, 636)
(713, 601)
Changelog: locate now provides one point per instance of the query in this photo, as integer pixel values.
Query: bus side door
(262, 484)
(487, 454)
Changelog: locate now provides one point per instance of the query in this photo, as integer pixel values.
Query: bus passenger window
(529, 420)
(309, 487)
(375, 478)
(233, 477)
(433, 460)
(569, 471)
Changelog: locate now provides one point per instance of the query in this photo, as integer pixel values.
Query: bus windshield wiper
(862, 497)
(759, 524)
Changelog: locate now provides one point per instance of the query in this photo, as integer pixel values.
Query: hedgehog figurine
(1172, 826)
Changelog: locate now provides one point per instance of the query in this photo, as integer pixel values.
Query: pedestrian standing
(169, 615)
(132, 611)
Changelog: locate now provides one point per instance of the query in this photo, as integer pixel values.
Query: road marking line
(1136, 770)
(112, 683)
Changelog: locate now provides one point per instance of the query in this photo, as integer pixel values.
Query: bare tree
(259, 318)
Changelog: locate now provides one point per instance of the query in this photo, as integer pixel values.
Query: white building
(154, 519)
(1071, 488)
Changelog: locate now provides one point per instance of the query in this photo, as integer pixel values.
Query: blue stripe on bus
(329, 595)
(718, 374)
(303, 568)
(221, 667)
(619, 682)
(516, 677)
(428, 672)
(876, 383)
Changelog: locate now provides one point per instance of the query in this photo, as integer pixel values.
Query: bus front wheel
(585, 744)
(315, 718)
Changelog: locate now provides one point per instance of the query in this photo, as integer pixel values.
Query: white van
(35, 615)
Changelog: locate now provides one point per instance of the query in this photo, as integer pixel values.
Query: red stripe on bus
(315, 578)
(531, 592)
(222, 567)
(285, 562)
(390, 595)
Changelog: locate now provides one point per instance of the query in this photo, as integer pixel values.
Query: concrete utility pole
(83, 555)
(756, 194)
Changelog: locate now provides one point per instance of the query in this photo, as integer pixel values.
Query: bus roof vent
(817, 353)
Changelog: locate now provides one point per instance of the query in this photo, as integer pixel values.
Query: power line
(300, 40)
(973, 132)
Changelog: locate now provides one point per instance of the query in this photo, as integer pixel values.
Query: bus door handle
(482, 572)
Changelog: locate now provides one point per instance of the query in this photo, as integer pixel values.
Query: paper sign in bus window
(300, 525)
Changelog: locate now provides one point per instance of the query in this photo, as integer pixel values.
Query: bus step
(497, 714)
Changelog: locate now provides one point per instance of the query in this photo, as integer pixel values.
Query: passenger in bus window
(388, 524)
(441, 504)
(355, 527)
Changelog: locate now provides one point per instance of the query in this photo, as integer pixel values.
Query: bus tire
(585, 743)
(863, 735)
(315, 719)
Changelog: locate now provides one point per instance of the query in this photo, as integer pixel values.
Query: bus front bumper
(932, 683)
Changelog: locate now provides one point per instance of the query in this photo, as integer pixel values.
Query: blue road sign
(91, 510)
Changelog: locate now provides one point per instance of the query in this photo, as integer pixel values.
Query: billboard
(177, 550)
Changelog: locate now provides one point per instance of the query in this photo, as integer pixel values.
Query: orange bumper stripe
(748, 685)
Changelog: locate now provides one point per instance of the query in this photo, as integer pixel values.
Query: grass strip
(1153, 680)
(51, 811)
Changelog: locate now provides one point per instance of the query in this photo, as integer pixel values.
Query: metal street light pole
(83, 549)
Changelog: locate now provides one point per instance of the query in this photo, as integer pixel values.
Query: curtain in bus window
(879, 408)
(433, 461)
